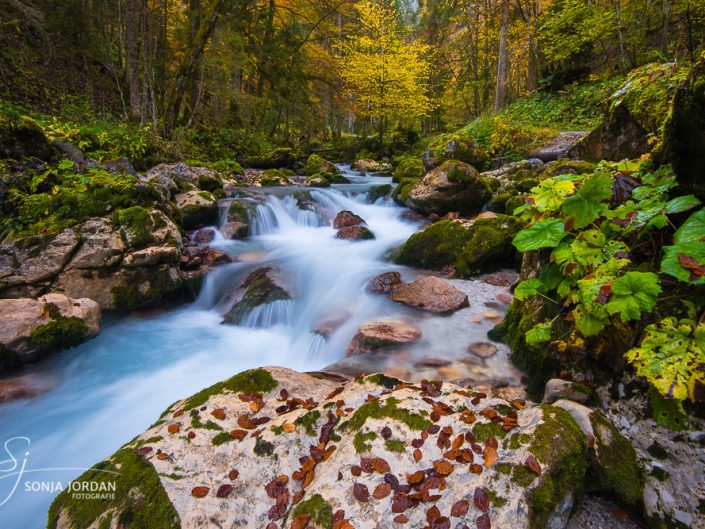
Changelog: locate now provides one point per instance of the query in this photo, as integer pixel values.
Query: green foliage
(59, 334)
(685, 259)
(595, 240)
(672, 358)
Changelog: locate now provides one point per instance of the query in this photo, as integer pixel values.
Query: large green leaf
(632, 294)
(543, 234)
(672, 358)
(528, 288)
(680, 204)
(539, 334)
(689, 250)
(550, 193)
(588, 203)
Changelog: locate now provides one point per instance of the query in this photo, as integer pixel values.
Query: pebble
(483, 349)
(491, 315)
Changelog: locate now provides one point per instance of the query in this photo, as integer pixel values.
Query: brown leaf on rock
(382, 491)
(696, 269)
(173, 428)
(335, 392)
(475, 468)
(288, 427)
(442, 467)
(218, 413)
(224, 491)
(417, 455)
(532, 464)
(432, 514)
(191, 435)
(342, 524)
(272, 525)
(481, 500)
(356, 471)
(200, 492)
(401, 503)
(361, 493)
(441, 523)
(380, 465)
(460, 508)
(238, 435)
(491, 456)
(243, 421)
(483, 522)
(233, 474)
(143, 451)
(161, 456)
(416, 477)
(492, 441)
(401, 518)
(386, 432)
(300, 521)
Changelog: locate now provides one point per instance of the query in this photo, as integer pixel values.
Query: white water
(110, 389)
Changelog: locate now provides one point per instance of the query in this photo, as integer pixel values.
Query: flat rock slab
(559, 146)
(431, 294)
(384, 333)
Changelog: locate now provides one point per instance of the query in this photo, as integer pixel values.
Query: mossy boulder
(261, 287)
(456, 146)
(470, 247)
(274, 178)
(634, 116)
(400, 194)
(197, 208)
(560, 167)
(683, 143)
(452, 187)
(21, 137)
(357, 465)
(273, 159)
(318, 181)
(33, 328)
(408, 167)
(378, 192)
(316, 164)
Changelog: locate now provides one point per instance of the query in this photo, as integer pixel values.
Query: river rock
(354, 233)
(21, 137)
(371, 166)
(304, 462)
(483, 349)
(453, 187)
(102, 245)
(557, 389)
(383, 283)
(456, 147)
(315, 164)
(431, 294)
(198, 208)
(470, 247)
(345, 219)
(203, 236)
(184, 177)
(261, 287)
(381, 334)
(33, 327)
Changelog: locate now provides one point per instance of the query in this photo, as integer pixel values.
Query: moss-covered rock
(274, 178)
(21, 137)
(260, 288)
(635, 114)
(683, 143)
(400, 194)
(197, 208)
(316, 164)
(559, 167)
(318, 180)
(58, 334)
(378, 192)
(456, 146)
(471, 248)
(408, 167)
(273, 159)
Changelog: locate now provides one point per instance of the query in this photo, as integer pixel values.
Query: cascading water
(111, 388)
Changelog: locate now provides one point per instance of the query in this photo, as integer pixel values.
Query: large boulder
(382, 334)
(684, 133)
(454, 147)
(453, 187)
(262, 287)
(315, 164)
(35, 327)
(473, 247)
(238, 219)
(346, 218)
(634, 116)
(21, 137)
(355, 233)
(275, 448)
(197, 208)
(383, 283)
(431, 294)
(409, 167)
(371, 166)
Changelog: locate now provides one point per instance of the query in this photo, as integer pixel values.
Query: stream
(104, 392)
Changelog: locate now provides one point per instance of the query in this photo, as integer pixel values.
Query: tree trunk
(132, 31)
(503, 60)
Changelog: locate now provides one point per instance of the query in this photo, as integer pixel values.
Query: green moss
(522, 476)
(660, 474)
(139, 496)
(319, 511)
(382, 380)
(503, 468)
(483, 430)
(59, 334)
(159, 283)
(617, 472)
(221, 438)
(394, 445)
(274, 178)
(497, 501)
(657, 451)
(277, 430)
(360, 441)
(408, 167)
(559, 445)
(139, 221)
(388, 410)
(252, 381)
(308, 420)
(263, 448)
(516, 441)
(401, 192)
(560, 167)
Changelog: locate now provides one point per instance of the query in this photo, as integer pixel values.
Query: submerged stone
(431, 294)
